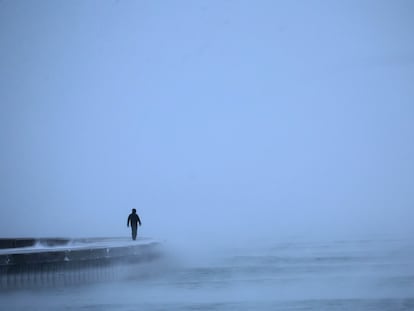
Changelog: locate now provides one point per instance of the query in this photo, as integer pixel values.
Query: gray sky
(220, 119)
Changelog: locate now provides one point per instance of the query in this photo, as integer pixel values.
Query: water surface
(336, 275)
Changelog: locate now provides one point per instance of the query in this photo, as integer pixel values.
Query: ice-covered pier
(59, 261)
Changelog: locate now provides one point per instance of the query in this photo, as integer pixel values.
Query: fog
(216, 120)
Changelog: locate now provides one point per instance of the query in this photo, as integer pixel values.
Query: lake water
(337, 275)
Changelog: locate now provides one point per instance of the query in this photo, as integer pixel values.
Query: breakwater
(26, 263)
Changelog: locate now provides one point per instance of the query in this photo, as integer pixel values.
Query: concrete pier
(59, 262)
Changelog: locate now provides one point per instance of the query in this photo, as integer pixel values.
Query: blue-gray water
(339, 275)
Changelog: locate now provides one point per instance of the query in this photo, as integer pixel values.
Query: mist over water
(267, 145)
(336, 275)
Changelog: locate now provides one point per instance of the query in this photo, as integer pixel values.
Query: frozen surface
(78, 244)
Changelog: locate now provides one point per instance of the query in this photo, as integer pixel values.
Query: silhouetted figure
(134, 220)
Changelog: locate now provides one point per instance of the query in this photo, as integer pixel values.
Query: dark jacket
(134, 220)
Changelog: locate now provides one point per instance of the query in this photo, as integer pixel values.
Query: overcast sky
(211, 118)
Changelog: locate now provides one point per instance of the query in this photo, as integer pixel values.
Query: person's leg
(134, 232)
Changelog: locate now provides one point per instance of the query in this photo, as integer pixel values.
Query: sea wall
(62, 262)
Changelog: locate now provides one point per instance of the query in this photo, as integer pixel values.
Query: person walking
(133, 220)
